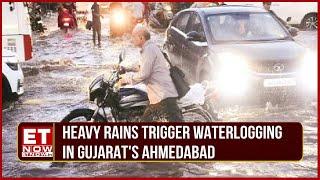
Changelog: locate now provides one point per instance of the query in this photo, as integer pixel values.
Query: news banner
(160, 142)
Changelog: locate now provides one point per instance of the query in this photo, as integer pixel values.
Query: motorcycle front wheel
(79, 115)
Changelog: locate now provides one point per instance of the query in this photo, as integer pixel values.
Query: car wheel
(6, 93)
(6, 89)
(310, 22)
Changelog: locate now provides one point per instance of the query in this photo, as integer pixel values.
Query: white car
(16, 29)
(12, 76)
(303, 14)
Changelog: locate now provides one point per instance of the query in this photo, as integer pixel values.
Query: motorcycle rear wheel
(197, 115)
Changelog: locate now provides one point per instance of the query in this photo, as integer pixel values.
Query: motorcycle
(127, 104)
(36, 20)
(161, 16)
(66, 20)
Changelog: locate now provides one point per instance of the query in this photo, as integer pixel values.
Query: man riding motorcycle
(72, 10)
(155, 73)
(66, 18)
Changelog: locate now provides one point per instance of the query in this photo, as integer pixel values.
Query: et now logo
(37, 142)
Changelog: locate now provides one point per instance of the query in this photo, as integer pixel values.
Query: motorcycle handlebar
(114, 78)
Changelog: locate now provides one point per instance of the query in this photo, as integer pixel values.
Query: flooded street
(57, 81)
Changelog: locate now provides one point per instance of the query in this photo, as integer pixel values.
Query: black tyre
(196, 115)
(79, 115)
(6, 90)
(310, 22)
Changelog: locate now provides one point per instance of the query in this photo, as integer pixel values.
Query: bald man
(154, 72)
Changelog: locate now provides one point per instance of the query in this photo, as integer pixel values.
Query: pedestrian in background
(96, 23)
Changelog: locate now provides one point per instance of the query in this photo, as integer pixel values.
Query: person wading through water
(96, 23)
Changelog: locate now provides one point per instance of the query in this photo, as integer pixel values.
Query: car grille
(275, 67)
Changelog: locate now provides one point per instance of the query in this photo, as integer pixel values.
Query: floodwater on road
(57, 80)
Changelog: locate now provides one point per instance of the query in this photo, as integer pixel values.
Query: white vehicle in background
(12, 76)
(16, 29)
(303, 14)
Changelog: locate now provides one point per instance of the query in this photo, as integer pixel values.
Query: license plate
(65, 24)
(279, 82)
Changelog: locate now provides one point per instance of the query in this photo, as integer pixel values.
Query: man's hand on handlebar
(123, 80)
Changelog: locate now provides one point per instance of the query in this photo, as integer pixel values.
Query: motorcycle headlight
(232, 75)
(118, 17)
(167, 8)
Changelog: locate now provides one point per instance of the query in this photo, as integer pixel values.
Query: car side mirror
(195, 36)
(293, 31)
(288, 19)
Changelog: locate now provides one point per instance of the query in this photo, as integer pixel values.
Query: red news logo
(37, 142)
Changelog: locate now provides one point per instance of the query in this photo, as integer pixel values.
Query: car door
(175, 36)
(193, 51)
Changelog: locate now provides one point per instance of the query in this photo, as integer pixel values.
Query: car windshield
(245, 27)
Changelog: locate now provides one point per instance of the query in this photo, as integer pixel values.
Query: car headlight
(308, 71)
(232, 75)
(13, 66)
(118, 17)
(232, 64)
